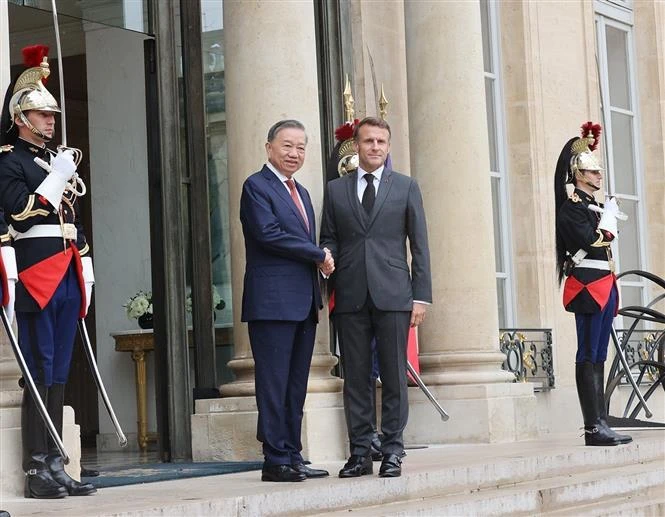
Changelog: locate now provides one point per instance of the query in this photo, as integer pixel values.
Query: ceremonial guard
(584, 257)
(38, 193)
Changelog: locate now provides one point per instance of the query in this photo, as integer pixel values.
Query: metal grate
(529, 356)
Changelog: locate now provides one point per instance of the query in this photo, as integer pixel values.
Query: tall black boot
(599, 386)
(38, 481)
(594, 432)
(56, 401)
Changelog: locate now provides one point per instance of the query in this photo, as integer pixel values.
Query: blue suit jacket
(281, 276)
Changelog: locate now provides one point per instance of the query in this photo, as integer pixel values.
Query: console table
(139, 342)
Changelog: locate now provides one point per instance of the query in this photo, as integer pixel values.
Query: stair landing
(551, 475)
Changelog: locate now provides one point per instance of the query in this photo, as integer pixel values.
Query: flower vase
(145, 321)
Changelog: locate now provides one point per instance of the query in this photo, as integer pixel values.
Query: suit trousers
(355, 331)
(282, 355)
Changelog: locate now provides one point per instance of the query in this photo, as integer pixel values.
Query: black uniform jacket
(43, 261)
(586, 290)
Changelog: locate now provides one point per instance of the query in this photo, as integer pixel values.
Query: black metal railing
(529, 356)
(639, 346)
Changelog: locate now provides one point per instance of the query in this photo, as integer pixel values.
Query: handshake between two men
(327, 267)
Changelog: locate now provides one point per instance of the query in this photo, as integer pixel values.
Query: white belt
(595, 264)
(67, 231)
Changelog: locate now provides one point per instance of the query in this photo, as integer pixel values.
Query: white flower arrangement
(138, 305)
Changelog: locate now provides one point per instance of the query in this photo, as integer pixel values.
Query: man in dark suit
(368, 216)
(281, 297)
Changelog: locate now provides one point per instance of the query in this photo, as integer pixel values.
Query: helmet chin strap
(33, 129)
(580, 177)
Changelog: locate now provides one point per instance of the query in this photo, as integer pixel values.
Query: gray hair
(284, 124)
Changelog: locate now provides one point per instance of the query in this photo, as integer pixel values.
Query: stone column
(459, 349)
(271, 74)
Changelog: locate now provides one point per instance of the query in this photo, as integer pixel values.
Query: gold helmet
(29, 91)
(582, 157)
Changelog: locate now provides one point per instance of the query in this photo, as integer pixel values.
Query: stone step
(631, 506)
(511, 472)
(561, 495)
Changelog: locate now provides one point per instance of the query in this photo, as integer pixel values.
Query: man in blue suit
(281, 297)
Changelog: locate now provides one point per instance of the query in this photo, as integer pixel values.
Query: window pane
(617, 63)
(501, 302)
(630, 295)
(498, 234)
(126, 14)
(487, 48)
(624, 158)
(628, 239)
(491, 123)
(218, 178)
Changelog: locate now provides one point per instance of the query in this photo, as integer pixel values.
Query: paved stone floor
(245, 494)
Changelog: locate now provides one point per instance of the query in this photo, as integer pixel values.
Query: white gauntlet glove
(88, 280)
(611, 212)
(61, 170)
(9, 261)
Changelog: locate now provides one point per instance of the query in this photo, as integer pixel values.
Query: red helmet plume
(33, 56)
(589, 130)
(345, 131)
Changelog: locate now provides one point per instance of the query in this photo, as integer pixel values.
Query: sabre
(427, 392)
(43, 413)
(61, 77)
(100, 384)
(80, 191)
(77, 187)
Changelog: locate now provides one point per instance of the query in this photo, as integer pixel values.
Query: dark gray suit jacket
(370, 251)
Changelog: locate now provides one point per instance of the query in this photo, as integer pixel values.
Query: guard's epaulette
(6, 149)
(575, 198)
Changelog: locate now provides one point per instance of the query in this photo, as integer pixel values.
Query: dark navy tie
(369, 195)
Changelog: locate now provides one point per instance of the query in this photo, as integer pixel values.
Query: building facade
(171, 102)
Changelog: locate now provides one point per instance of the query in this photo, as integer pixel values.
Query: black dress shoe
(308, 471)
(281, 473)
(391, 466)
(357, 466)
(40, 485)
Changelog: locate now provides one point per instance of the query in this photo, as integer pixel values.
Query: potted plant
(139, 308)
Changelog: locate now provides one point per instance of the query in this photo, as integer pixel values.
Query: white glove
(611, 212)
(88, 280)
(9, 261)
(61, 169)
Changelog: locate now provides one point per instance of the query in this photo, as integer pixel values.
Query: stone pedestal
(478, 413)
(459, 349)
(225, 429)
(11, 471)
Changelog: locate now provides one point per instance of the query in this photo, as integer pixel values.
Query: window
(622, 157)
(498, 176)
